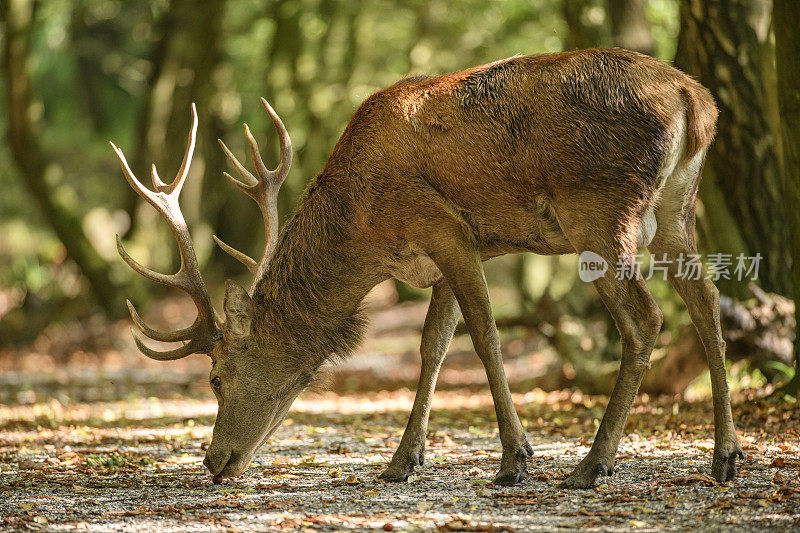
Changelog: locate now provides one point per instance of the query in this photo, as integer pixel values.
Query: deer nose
(207, 461)
(215, 460)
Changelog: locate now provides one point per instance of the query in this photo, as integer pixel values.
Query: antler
(203, 332)
(264, 191)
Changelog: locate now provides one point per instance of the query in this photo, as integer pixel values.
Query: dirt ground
(119, 447)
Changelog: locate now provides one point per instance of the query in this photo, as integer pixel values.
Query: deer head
(253, 392)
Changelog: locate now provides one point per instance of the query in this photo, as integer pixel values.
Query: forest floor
(118, 446)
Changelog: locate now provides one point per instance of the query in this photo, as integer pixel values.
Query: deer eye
(216, 383)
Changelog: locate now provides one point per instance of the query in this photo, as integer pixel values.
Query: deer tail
(701, 118)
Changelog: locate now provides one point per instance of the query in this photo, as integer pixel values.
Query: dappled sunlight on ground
(113, 441)
(137, 464)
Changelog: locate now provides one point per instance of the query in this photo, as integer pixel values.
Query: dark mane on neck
(308, 266)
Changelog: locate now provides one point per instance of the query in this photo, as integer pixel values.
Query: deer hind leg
(440, 323)
(611, 230)
(638, 320)
(674, 241)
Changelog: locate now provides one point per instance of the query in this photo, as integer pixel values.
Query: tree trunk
(587, 24)
(27, 152)
(145, 121)
(629, 28)
(719, 44)
(188, 76)
(786, 20)
(184, 60)
(88, 69)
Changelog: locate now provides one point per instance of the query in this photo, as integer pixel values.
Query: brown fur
(591, 150)
(504, 150)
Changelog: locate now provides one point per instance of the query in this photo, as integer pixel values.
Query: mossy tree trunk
(743, 209)
(184, 70)
(786, 21)
(32, 162)
(629, 28)
(587, 24)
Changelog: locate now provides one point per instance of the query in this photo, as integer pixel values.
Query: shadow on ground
(112, 441)
(136, 464)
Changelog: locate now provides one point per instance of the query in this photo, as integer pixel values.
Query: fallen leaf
(691, 479)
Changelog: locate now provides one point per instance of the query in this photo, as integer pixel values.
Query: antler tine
(203, 332)
(243, 258)
(285, 141)
(263, 191)
(177, 184)
(157, 183)
(163, 336)
(243, 172)
(166, 279)
(168, 355)
(263, 172)
(135, 184)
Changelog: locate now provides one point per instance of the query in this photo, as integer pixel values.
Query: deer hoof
(585, 474)
(401, 467)
(395, 475)
(604, 470)
(506, 478)
(723, 466)
(513, 473)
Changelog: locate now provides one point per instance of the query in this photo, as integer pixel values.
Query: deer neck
(309, 299)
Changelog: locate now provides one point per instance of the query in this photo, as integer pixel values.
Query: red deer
(596, 150)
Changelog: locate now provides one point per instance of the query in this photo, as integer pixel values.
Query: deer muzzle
(225, 463)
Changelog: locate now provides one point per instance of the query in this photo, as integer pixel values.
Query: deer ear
(238, 310)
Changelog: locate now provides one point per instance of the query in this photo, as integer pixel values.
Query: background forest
(95, 436)
(78, 73)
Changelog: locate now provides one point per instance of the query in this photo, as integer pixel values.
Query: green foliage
(316, 60)
(113, 69)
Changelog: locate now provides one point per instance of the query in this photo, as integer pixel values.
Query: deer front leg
(440, 323)
(461, 267)
(638, 320)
